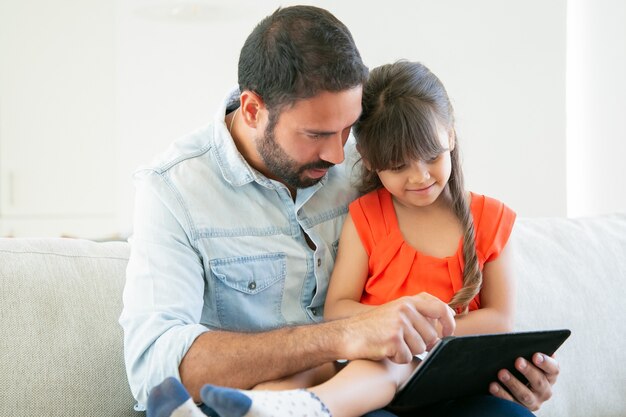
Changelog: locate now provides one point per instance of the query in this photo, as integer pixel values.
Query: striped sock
(171, 399)
(228, 402)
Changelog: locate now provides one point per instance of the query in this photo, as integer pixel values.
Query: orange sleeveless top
(396, 269)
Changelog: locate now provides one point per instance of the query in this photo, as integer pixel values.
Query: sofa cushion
(61, 346)
(571, 273)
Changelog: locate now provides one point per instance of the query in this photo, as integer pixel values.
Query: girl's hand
(541, 375)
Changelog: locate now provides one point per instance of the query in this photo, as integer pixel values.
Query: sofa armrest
(61, 348)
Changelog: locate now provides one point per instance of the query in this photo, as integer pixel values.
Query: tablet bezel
(450, 371)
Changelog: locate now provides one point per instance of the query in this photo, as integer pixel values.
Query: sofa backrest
(60, 344)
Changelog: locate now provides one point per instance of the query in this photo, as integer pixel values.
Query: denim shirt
(217, 245)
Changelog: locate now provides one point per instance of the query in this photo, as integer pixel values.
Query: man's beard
(282, 165)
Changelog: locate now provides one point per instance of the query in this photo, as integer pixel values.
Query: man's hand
(541, 375)
(399, 329)
(396, 331)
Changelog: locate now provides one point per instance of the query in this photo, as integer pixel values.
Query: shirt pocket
(249, 291)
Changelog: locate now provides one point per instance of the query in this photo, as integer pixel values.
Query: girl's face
(420, 183)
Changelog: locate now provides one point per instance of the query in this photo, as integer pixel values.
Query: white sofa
(61, 345)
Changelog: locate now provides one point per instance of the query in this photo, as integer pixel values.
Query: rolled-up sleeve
(163, 295)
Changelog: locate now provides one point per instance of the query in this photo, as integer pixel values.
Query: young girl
(415, 230)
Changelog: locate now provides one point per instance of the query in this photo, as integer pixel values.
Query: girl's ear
(452, 139)
(251, 108)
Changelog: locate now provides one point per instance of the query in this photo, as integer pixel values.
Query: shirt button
(319, 262)
(252, 285)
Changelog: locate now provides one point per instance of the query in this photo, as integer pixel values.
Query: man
(236, 229)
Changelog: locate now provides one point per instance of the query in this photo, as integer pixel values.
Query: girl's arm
(348, 277)
(497, 299)
(416, 320)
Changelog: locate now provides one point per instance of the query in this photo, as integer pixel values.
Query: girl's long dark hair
(403, 106)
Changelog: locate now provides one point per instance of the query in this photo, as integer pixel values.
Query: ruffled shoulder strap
(370, 218)
(493, 222)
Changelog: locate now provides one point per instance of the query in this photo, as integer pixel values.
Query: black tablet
(466, 365)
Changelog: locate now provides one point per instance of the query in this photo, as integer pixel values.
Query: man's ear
(252, 106)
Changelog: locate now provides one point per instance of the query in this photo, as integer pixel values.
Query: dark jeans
(481, 406)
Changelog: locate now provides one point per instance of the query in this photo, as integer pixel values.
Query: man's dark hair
(297, 52)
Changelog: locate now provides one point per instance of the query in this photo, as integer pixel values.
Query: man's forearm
(243, 360)
(396, 330)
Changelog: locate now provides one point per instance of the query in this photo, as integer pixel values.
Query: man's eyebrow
(327, 132)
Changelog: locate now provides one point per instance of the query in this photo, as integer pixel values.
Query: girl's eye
(433, 159)
(397, 168)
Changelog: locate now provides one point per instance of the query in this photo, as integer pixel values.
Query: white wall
(57, 124)
(596, 107)
(503, 64)
(164, 65)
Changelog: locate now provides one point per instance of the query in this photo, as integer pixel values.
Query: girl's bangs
(411, 134)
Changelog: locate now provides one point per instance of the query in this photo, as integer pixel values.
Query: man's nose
(332, 150)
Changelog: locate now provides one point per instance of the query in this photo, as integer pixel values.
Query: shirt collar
(235, 169)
